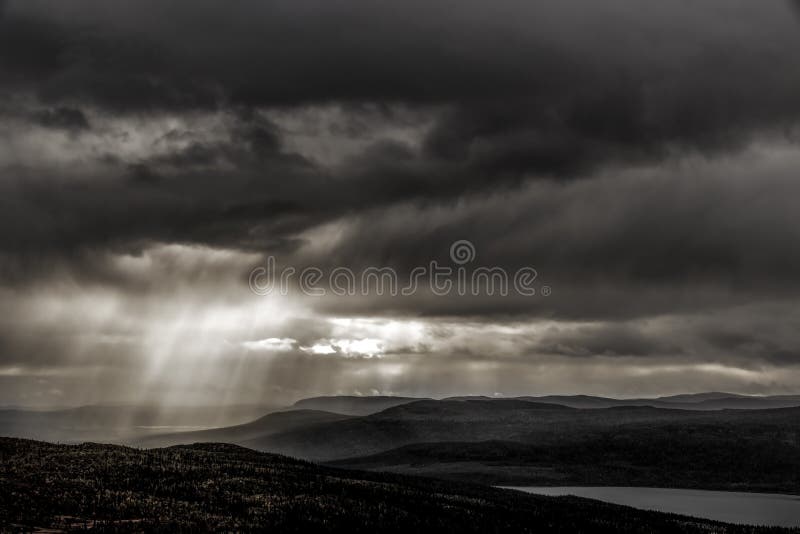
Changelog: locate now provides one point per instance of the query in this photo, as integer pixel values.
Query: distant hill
(732, 450)
(117, 423)
(391, 423)
(701, 397)
(585, 401)
(524, 442)
(317, 435)
(216, 487)
(742, 403)
(259, 429)
(699, 401)
(472, 397)
(470, 420)
(352, 405)
(690, 401)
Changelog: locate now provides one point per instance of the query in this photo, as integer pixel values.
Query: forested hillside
(225, 487)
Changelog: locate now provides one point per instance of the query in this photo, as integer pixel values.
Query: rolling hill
(131, 424)
(352, 405)
(259, 429)
(698, 401)
(217, 487)
(759, 453)
(119, 423)
(468, 420)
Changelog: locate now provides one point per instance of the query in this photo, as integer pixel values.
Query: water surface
(732, 507)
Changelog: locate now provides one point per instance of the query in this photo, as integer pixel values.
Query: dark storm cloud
(693, 235)
(553, 90)
(553, 87)
(515, 90)
(640, 155)
(64, 118)
(225, 193)
(613, 340)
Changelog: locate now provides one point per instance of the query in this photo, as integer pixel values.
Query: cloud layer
(640, 155)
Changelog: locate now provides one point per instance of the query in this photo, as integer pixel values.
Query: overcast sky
(641, 155)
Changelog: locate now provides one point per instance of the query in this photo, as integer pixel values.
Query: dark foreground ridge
(226, 487)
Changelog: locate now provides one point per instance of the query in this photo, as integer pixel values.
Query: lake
(728, 506)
